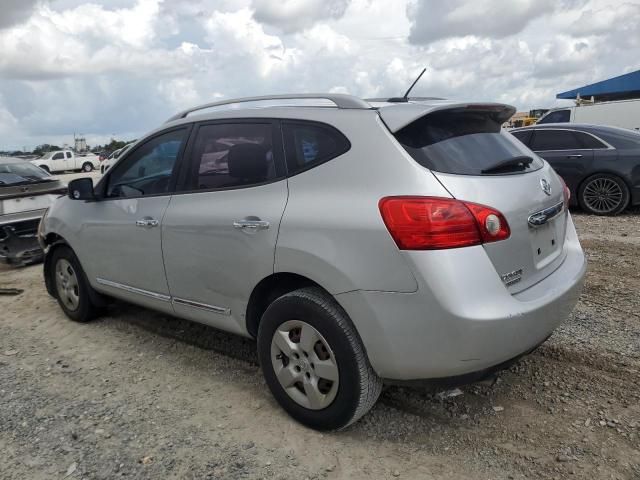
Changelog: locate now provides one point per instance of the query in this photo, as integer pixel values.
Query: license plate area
(546, 242)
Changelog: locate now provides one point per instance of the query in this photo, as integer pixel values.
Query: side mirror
(81, 189)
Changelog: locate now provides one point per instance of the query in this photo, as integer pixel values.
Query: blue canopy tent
(623, 87)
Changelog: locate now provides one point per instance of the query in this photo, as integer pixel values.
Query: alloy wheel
(603, 195)
(67, 284)
(304, 364)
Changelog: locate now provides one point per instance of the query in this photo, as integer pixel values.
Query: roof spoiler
(396, 117)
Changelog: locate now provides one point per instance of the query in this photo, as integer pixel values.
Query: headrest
(248, 161)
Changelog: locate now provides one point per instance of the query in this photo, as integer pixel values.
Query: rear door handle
(251, 225)
(147, 222)
(574, 156)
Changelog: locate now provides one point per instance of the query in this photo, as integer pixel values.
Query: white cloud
(123, 66)
(15, 11)
(295, 15)
(434, 20)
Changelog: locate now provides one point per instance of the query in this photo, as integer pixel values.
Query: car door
(564, 152)
(122, 233)
(219, 233)
(58, 162)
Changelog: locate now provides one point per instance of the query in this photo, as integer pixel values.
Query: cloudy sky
(121, 67)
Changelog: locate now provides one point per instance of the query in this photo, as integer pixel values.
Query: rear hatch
(477, 161)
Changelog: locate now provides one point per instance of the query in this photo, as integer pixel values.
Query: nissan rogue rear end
(358, 242)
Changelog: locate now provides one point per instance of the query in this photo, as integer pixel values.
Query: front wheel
(314, 362)
(603, 194)
(72, 289)
(87, 167)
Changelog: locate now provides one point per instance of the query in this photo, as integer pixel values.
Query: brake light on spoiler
(434, 223)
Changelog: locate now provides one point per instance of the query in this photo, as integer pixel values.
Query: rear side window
(524, 136)
(555, 140)
(231, 155)
(559, 116)
(309, 144)
(464, 143)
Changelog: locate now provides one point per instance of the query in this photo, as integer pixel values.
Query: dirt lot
(140, 395)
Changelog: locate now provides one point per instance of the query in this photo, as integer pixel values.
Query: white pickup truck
(64, 160)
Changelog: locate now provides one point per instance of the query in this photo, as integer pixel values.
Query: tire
(45, 168)
(87, 167)
(72, 290)
(354, 386)
(603, 194)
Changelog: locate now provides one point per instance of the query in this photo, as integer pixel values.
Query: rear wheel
(314, 361)
(87, 167)
(603, 194)
(72, 289)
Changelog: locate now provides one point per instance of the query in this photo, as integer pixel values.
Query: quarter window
(589, 141)
(554, 140)
(310, 144)
(228, 155)
(68, 154)
(148, 170)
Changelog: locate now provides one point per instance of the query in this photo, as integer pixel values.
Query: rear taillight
(432, 223)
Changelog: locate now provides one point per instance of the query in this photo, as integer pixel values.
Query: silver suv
(358, 241)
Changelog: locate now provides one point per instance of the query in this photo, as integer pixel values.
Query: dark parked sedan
(600, 165)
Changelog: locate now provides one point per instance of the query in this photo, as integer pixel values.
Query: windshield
(18, 173)
(466, 143)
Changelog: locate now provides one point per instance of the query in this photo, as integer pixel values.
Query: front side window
(309, 144)
(230, 155)
(58, 156)
(148, 170)
(554, 140)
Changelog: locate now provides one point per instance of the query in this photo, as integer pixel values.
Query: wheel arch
(52, 241)
(270, 288)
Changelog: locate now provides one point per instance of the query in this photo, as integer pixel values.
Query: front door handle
(574, 156)
(147, 222)
(251, 225)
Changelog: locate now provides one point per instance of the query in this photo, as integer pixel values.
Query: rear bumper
(462, 319)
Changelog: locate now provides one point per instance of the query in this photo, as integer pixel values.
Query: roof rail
(341, 100)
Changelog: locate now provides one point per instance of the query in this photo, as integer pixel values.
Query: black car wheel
(72, 289)
(314, 362)
(603, 194)
(87, 167)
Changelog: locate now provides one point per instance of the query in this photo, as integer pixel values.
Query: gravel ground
(137, 394)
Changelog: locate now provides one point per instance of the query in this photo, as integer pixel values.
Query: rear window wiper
(513, 164)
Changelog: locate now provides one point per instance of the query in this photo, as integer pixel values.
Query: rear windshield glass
(466, 143)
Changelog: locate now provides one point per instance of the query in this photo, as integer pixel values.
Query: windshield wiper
(513, 164)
